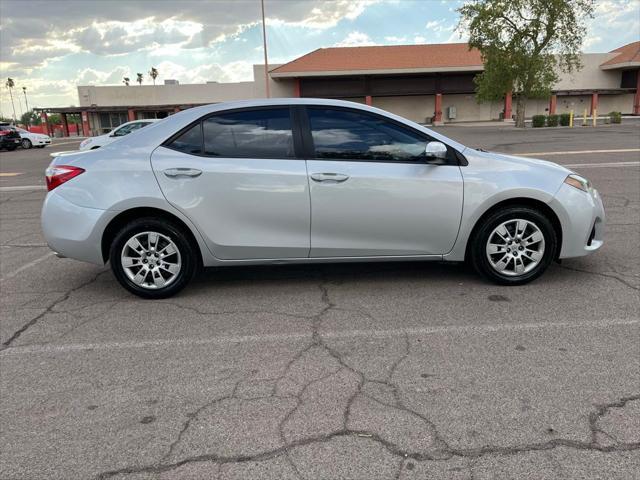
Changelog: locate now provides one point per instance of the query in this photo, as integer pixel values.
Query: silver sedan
(307, 181)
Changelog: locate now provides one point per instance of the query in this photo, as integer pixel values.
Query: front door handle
(329, 177)
(182, 172)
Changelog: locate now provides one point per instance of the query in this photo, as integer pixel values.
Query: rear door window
(259, 133)
(189, 141)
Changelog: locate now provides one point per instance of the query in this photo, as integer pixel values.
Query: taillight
(4, 132)
(56, 175)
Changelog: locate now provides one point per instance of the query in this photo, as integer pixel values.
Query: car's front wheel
(152, 258)
(513, 246)
(26, 143)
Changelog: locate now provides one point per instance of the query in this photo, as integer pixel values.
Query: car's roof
(159, 132)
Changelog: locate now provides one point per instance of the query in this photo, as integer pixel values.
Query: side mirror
(435, 152)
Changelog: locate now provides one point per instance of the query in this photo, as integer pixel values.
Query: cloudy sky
(52, 46)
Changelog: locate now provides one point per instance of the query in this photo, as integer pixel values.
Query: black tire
(187, 253)
(26, 143)
(478, 253)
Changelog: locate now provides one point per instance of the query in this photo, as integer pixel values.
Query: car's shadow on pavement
(340, 272)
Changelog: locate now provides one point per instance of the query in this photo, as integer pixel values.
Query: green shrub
(615, 117)
(552, 121)
(564, 119)
(538, 121)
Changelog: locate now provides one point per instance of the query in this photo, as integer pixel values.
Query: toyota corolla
(307, 181)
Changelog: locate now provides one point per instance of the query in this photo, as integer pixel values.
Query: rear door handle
(182, 172)
(329, 177)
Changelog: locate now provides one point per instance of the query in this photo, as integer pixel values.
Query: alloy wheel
(515, 247)
(151, 260)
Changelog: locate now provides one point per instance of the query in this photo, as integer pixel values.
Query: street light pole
(266, 61)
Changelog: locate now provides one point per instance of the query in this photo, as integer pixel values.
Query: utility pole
(266, 61)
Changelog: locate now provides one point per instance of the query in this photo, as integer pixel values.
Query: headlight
(578, 182)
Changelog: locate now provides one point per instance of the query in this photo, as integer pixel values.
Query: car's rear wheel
(26, 143)
(152, 258)
(513, 246)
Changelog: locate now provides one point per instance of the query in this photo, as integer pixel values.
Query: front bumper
(73, 231)
(40, 142)
(582, 218)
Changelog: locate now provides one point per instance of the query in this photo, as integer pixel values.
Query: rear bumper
(582, 218)
(10, 142)
(72, 231)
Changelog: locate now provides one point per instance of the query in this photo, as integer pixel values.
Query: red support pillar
(65, 124)
(45, 123)
(636, 99)
(507, 107)
(297, 88)
(553, 104)
(594, 103)
(437, 114)
(368, 100)
(86, 129)
(131, 113)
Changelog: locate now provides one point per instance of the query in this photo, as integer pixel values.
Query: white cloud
(355, 39)
(620, 18)
(394, 39)
(419, 39)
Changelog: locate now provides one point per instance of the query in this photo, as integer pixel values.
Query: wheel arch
(539, 205)
(114, 226)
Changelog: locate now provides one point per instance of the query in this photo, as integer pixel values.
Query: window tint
(354, 135)
(264, 133)
(190, 141)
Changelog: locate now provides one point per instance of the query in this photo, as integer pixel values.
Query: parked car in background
(92, 143)
(29, 139)
(310, 181)
(9, 137)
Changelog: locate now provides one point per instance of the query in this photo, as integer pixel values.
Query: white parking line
(601, 165)
(26, 266)
(67, 143)
(577, 152)
(22, 187)
(473, 329)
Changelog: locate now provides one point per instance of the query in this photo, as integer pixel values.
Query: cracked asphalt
(353, 371)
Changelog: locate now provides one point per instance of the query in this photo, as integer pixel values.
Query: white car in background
(92, 143)
(29, 139)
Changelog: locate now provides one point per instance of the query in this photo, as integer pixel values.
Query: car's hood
(516, 160)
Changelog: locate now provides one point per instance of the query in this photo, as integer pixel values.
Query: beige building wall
(590, 76)
(145, 95)
(469, 109)
(418, 108)
(615, 103)
(281, 88)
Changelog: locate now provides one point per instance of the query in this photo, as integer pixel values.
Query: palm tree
(10, 84)
(139, 79)
(126, 81)
(24, 90)
(153, 73)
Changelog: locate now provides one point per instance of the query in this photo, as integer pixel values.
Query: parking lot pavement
(367, 371)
